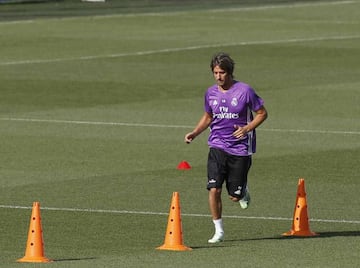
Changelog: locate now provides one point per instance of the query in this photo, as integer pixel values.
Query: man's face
(222, 78)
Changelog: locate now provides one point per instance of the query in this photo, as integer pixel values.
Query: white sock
(219, 228)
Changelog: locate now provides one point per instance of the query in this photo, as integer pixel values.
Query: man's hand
(189, 137)
(240, 132)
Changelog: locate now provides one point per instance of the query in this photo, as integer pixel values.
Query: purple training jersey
(233, 107)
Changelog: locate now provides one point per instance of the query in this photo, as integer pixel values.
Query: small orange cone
(173, 236)
(184, 165)
(35, 245)
(300, 226)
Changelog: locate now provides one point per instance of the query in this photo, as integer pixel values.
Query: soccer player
(233, 111)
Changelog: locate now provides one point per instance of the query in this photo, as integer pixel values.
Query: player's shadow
(319, 235)
(324, 235)
(229, 242)
(339, 233)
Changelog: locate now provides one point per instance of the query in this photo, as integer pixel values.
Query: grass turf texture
(78, 76)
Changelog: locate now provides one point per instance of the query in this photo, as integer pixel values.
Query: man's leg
(237, 183)
(216, 175)
(215, 205)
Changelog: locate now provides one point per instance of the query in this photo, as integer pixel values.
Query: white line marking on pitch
(168, 50)
(88, 210)
(76, 122)
(290, 6)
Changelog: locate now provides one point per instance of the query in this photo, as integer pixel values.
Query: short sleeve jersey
(230, 108)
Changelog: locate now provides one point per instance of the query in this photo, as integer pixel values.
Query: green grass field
(95, 99)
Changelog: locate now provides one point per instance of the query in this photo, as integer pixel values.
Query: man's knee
(233, 198)
(215, 191)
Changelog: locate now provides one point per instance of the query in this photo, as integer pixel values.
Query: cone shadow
(75, 259)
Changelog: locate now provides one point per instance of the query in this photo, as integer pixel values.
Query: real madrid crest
(234, 102)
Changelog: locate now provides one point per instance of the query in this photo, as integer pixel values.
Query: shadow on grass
(229, 242)
(324, 235)
(342, 233)
(74, 259)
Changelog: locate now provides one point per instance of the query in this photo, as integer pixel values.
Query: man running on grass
(232, 111)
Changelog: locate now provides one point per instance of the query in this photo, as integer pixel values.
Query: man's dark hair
(224, 61)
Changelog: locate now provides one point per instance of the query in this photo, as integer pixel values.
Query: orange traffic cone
(183, 165)
(35, 245)
(173, 236)
(300, 226)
